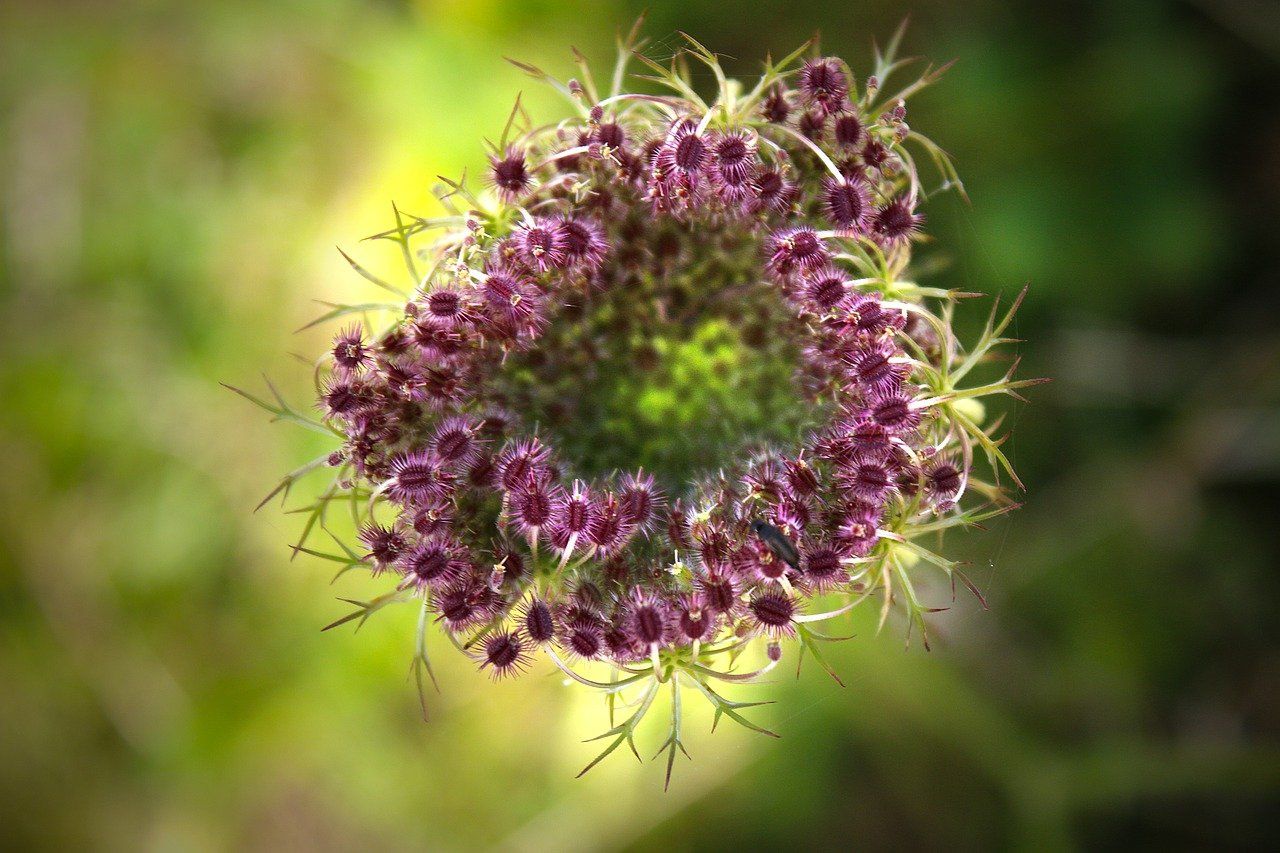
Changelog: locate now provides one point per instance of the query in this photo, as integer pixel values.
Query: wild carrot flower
(504, 654)
(666, 386)
(350, 355)
(537, 621)
(510, 174)
(772, 613)
(824, 85)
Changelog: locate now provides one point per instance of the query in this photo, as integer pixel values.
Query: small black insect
(778, 543)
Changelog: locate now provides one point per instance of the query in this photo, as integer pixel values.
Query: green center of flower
(682, 361)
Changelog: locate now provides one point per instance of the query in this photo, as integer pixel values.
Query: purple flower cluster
(598, 238)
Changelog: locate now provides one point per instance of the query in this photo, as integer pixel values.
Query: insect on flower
(777, 542)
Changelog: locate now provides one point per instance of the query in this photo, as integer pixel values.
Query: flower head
(824, 566)
(504, 653)
(538, 621)
(773, 613)
(584, 637)
(350, 353)
(797, 248)
(510, 174)
(640, 501)
(897, 221)
(847, 203)
(385, 544)
(664, 380)
(541, 245)
(419, 476)
(457, 440)
(824, 85)
(433, 562)
(649, 620)
(848, 130)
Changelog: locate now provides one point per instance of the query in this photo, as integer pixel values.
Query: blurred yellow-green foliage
(173, 177)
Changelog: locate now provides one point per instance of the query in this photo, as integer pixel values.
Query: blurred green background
(173, 177)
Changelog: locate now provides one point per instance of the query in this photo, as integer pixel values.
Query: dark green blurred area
(173, 177)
